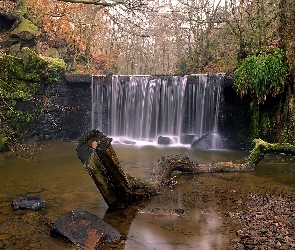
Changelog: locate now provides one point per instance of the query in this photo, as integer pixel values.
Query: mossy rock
(3, 143)
(31, 68)
(15, 49)
(55, 67)
(20, 79)
(26, 30)
(52, 52)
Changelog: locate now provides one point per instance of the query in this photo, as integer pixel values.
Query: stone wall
(234, 117)
(65, 108)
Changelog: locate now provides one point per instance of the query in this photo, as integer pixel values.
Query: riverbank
(268, 223)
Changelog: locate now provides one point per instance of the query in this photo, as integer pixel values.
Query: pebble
(266, 225)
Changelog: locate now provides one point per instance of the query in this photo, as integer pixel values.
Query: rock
(209, 141)
(249, 247)
(165, 140)
(84, 229)
(127, 142)
(187, 139)
(28, 202)
(78, 78)
(26, 30)
(240, 233)
(15, 49)
(203, 142)
(216, 141)
(52, 52)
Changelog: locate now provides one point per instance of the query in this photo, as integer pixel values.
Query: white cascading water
(142, 108)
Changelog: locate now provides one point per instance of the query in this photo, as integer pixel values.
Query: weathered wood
(168, 165)
(100, 160)
(261, 148)
(120, 190)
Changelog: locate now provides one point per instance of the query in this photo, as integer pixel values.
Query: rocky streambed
(267, 223)
(261, 219)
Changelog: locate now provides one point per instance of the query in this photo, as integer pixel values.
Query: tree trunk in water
(101, 162)
(120, 190)
(262, 147)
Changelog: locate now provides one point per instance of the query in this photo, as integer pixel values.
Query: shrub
(261, 75)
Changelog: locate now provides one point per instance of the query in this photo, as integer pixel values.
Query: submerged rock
(84, 229)
(166, 140)
(187, 139)
(217, 141)
(28, 202)
(209, 141)
(127, 142)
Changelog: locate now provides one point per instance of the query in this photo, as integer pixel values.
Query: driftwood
(120, 190)
(261, 148)
(100, 160)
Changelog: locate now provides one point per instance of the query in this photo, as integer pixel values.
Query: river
(189, 215)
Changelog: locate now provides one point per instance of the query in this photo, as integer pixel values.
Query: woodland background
(148, 37)
(253, 41)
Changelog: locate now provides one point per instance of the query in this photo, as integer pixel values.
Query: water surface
(190, 215)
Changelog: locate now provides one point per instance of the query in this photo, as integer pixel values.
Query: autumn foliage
(74, 30)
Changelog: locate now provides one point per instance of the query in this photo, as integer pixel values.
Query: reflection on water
(191, 216)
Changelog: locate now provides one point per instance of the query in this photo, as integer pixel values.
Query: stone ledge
(78, 78)
(87, 78)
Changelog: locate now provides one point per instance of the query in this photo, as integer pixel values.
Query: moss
(26, 30)
(20, 79)
(44, 68)
(3, 143)
(261, 148)
(56, 67)
(261, 76)
(22, 7)
(31, 67)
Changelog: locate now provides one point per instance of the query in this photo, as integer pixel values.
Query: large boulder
(84, 229)
(209, 141)
(217, 141)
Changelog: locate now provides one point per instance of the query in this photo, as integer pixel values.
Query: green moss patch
(20, 79)
(26, 30)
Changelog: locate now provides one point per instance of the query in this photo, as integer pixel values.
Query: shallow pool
(189, 216)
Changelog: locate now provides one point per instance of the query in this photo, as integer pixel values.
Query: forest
(149, 37)
(251, 40)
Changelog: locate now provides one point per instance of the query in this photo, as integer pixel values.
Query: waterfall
(146, 108)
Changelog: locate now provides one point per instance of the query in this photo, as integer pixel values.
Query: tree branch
(93, 2)
(262, 147)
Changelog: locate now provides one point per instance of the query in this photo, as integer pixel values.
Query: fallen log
(120, 190)
(261, 148)
(100, 160)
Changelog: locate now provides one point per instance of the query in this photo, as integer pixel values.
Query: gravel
(269, 223)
